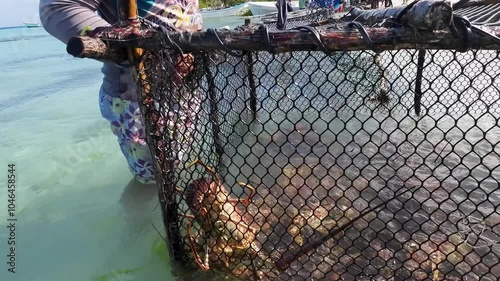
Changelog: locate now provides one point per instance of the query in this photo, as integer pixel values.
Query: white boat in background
(262, 8)
(236, 10)
(32, 25)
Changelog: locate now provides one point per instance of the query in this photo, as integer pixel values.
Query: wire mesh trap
(282, 159)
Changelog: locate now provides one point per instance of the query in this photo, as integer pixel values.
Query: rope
(366, 37)
(267, 39)
(165, 31)
(315, 32)
(216, 35)
(466, 26)
(282, 6)
(468, 29)
(418, 84)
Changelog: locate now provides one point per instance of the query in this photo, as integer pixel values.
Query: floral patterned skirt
(127, 124)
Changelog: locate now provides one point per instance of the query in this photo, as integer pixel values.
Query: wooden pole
(132, 19)
(251, 81)
(88, 47)
(129, 16)
(285, 41)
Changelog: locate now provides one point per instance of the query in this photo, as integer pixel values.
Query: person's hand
(184, 64)
(92, 32)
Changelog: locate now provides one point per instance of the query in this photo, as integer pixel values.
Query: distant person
(376, 4)
(64, 19)
(333, 5)
(347, 4)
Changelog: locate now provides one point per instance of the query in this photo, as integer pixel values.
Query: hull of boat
(231, 11)
(262, 8)
(32, 25)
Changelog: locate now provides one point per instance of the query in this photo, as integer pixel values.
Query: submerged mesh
(329, 142)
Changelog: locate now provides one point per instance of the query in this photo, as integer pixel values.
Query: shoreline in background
(14, 27)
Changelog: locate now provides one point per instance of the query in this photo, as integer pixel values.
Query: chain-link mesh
(308, 166)
(300, 17)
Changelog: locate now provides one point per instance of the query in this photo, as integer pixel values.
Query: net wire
(311, 166)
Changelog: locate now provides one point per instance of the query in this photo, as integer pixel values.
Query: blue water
(79, 215)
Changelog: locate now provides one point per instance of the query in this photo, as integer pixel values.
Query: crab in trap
(229, 243)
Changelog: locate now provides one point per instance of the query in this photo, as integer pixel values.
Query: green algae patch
(159, 249)
(120, 274)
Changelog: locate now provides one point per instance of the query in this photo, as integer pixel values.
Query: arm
(64, 19)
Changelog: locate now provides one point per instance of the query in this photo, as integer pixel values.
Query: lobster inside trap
(307, 165)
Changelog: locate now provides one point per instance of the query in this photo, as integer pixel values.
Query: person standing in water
(118, 99)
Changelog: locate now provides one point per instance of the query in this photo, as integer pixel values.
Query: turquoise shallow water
(78, 216)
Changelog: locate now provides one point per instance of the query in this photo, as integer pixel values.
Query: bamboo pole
(129, 16)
